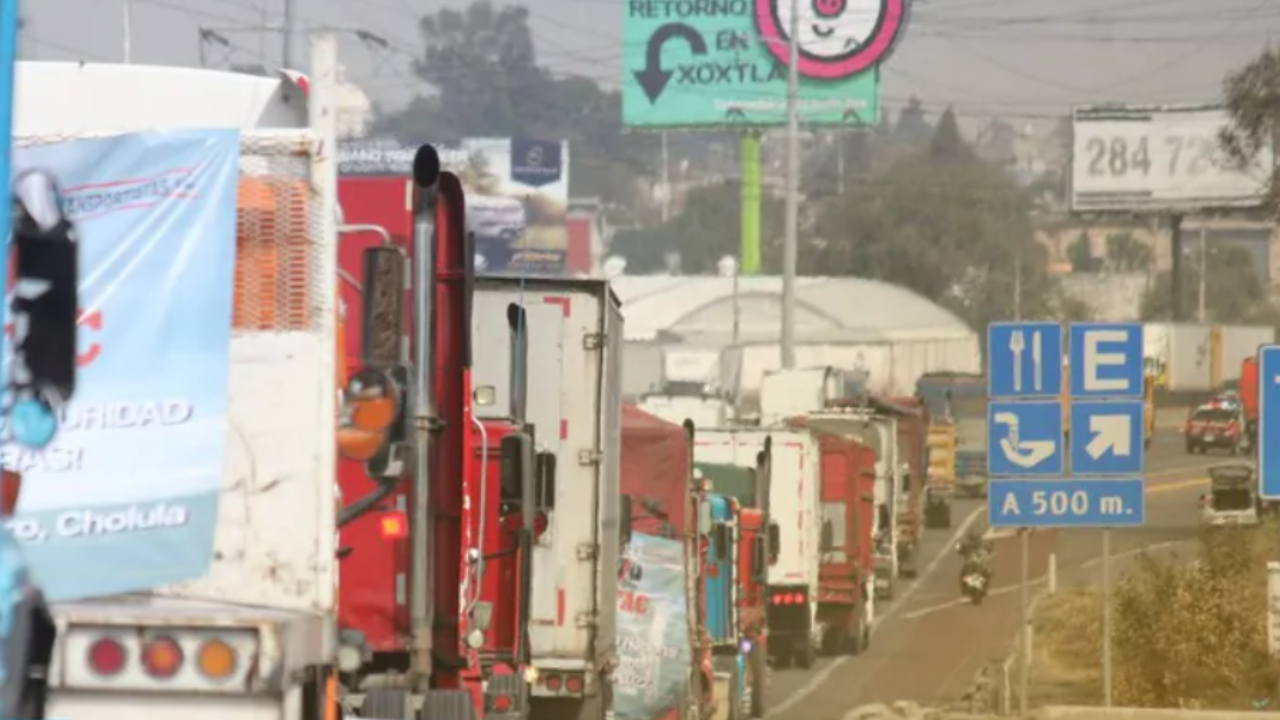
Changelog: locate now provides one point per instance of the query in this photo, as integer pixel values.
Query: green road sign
(690, 63)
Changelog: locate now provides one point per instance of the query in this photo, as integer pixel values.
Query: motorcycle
(973, 584)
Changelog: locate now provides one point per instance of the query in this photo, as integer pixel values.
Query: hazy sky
(1012, 58)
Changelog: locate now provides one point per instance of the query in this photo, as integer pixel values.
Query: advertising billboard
(1159, 159)
(692, 63)
(517, 193)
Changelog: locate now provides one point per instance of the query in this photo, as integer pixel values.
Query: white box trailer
(795, 499)
(574, 401)
(271, 591)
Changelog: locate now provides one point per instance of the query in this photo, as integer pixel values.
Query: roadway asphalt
(928, 644)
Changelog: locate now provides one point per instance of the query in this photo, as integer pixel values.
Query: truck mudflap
(506, 697)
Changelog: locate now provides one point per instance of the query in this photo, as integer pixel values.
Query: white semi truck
(255, 638)
(574, 402)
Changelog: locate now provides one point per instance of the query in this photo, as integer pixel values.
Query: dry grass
(1067, 642)
(1186, 634)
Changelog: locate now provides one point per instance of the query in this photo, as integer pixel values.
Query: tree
(912, 123)
(1080, 253)
(706, 230)
(956, 232)
(1253, 103)
(1125, 253)
(481, 65)
(1233, 291)
(947, 144)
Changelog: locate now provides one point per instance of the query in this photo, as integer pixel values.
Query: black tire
(807, 655)
(389, 703)
(782, 661)
(756, 668)
(944, 516)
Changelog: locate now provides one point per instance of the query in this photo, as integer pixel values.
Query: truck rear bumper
(88, 705)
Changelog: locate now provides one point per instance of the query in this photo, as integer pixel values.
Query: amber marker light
(216, 660)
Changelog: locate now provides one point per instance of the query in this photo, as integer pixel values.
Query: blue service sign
(1024, 360)
(1024, 438)
(1034, 503)
(1269, 430)
(1106, 360)
(1107, 438)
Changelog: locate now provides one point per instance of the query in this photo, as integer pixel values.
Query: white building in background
(355, 109)
(681, 330)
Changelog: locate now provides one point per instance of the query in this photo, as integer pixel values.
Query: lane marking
(1043, 578)
(820, 677)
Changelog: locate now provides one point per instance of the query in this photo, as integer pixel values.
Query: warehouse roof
(694, 306)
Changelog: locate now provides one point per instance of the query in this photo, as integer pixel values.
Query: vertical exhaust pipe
(518, 322)
(426, 175)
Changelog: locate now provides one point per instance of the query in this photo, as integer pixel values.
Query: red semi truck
(846, 566)
(434, 586)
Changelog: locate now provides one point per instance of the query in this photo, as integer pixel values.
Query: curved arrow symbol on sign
(653, 79)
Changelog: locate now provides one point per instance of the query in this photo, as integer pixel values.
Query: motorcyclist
(976, 551)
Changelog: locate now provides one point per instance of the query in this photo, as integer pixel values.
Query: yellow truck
(1149, 399)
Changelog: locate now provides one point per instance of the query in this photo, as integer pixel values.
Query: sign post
(1031, 485)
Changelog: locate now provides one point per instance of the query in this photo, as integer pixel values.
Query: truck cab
(722, 585)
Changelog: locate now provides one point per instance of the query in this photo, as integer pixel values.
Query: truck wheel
(806, 656)
(944, 516)
(388, 704)
(757, 672)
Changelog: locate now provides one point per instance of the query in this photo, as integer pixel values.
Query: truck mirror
(624, 520)
(45, 304)
(775, 541)
(546, 481)
(720, 539)
(29, 651)
(704, 518)
(385, 270)
(371, 405)
(759, 559)
(517, 478)
(827, 542)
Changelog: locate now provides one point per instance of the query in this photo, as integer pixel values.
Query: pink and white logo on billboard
(837, 38)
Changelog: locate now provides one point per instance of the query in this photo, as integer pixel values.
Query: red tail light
(107, 657)
(162, 658)
(554, 682)
(502, 703)
(573, 684)
(394, 525)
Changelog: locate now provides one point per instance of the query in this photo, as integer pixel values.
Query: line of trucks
(434, 479)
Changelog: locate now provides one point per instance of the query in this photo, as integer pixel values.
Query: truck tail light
(216, 659)
(107, 657)
(502, 703)
(393, 525)
(162, 657)
(573, 683)
(554, 683)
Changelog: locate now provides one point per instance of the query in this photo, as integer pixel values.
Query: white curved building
(682, 329)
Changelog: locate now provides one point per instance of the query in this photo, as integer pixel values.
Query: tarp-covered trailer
(655, 473)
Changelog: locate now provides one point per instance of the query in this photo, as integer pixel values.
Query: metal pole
(128, 31)
(839, 163)
(1106, 617)
(792, 216)
(666, 179)
(1024, 663)
(288, 33)
(1017, 283)
(1204, 268)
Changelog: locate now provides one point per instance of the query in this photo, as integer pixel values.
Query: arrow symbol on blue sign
(1110, 432)
(653, 79)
